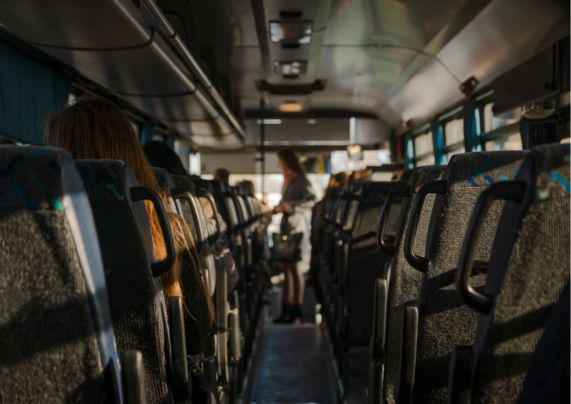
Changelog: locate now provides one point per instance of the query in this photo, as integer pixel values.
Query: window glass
(511, 142)
(454, 131)
(426, 161)
(492, 122)
(423, 143)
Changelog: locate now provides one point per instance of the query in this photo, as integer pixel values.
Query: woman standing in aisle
(297, 197)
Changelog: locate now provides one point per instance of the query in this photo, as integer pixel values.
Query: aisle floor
(293, 365)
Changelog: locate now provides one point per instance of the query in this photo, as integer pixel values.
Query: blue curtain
(146, 132)
(438, 143)
(409, 152)
(471, 132)
(30, 92)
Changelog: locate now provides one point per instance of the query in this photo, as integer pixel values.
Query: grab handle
(509, 191)
(435, 187)
(385, 244)
(145, 194)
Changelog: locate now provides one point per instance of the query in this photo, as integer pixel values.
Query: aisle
(293, 366)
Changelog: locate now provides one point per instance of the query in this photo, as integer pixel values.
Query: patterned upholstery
(135, 297)
(526, 274)
(444, 321)
(56, 337)
(404, 280)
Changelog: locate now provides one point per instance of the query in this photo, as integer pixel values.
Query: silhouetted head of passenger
(361, 175)
(290, 165)
(222, 174)
(160, 155)
(248, 186)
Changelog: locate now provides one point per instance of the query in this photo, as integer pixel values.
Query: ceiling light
(290, 67)
(291, 32)
(269, 121)
(291, 106)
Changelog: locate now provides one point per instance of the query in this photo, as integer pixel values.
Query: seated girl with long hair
(97, 129)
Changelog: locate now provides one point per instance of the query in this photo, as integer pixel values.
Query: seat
(439, 316)
(137, 305)
(526, 272)
(359, 263)
(56, 336)
(399, 285)
(547, 378)
(361, 260)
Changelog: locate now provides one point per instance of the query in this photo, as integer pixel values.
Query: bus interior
(432, 262)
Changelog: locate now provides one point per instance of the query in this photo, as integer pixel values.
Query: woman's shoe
(296, 316)
(286, 314)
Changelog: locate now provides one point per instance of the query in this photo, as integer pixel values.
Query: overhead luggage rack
(134, 53)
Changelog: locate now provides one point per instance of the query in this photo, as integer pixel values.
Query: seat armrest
(179, 361)
(133, 377)
(460, 376)
(377, 343)
(409, 350)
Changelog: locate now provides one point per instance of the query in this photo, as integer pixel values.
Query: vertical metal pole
(263, 143)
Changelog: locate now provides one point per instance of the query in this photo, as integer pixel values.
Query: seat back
(56, 336)
(527, 270)
(444, 321)
(403, 279)
(135, 297)
(364, 261)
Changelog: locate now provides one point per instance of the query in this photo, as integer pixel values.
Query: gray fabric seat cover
(526, 278)
(56, 337)
(444, 321)
(404, 281)
(134, 296)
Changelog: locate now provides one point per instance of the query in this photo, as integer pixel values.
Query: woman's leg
(287, 300)
(300, 284)
(287, 285)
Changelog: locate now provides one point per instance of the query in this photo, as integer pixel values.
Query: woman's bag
(286, 244)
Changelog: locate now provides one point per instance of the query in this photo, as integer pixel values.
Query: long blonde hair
(93, 128)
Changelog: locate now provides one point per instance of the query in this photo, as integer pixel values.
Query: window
(423, 143)
(492, 122)
(425, 161)
(454, 132)
(501, 131)
(510, 142)
(423, 150)
(451, 127)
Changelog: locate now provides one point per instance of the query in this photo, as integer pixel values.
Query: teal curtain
(471, 132)
(30, 91)
(146, 129)
(170, 142)
(438, 143)
(409, 152)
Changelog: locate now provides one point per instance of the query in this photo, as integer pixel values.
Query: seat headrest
(111, 180)
(184, 182)
(483, 167)
(421, 175)
(35, 177)
(106, 179)
(164, 177)
(546, 168)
